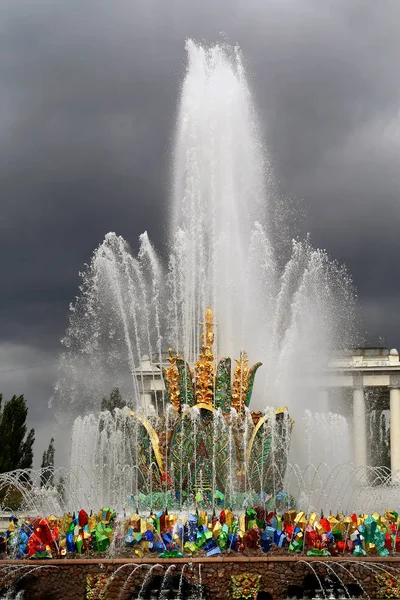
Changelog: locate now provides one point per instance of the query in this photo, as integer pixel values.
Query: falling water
(329, 432)
(147, 579)
(225, 252)
(105, 450)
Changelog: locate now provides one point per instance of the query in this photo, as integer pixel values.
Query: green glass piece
(99, 531)
(223, 391)
(42, 555)
(252, 374)
(337, 534)
(171, 554)
(296, 546)
(260, 465)
(101, 544)
(193, 446)
(185, 382)
(315, 552)
(260, 523)
(79, 544)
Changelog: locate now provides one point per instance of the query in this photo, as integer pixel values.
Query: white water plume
(225, 252)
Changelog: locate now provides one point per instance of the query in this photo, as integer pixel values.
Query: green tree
(47, 475)
(114, 401)
(16, 447)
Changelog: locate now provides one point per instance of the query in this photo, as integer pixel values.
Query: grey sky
(87, 108)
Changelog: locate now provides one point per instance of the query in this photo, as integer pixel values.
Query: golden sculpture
(240, 384)
(245, 585)
(199, 387)
(172, 377)
(205, 366)
(208, 388)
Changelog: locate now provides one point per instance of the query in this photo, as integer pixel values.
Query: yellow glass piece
(353, 527)
(135, 522)
(301, 520)
(229, 517)
(170, 520)
(67, 520)
(93, 520)
(143, 526)
(371, 548)
(150, 525)
(347, 519)
(217, 529)
(203, 518)
(313, 517)
(242, 523)
(289, 517)
(385, 522)
(376, 516)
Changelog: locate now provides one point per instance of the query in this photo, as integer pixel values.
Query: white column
(147, 405)
(360, 430)
(395, 430)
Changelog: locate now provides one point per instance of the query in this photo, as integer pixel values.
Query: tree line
(16, 442)
(16, 447)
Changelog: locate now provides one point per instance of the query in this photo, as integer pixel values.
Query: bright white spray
(225, 253)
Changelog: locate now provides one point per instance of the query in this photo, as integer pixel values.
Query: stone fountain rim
(67, 562)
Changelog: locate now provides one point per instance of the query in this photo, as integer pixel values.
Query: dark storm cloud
(87, 109)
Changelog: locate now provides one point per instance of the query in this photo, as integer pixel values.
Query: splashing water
(225, 252)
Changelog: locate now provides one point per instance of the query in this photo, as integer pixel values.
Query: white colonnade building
(359, 375)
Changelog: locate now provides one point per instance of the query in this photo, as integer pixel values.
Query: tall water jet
(225, 248)
(218, 193)
(225, 252)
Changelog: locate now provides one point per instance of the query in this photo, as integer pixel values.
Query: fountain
(283, 301)
(199, 471)
(207, 444)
